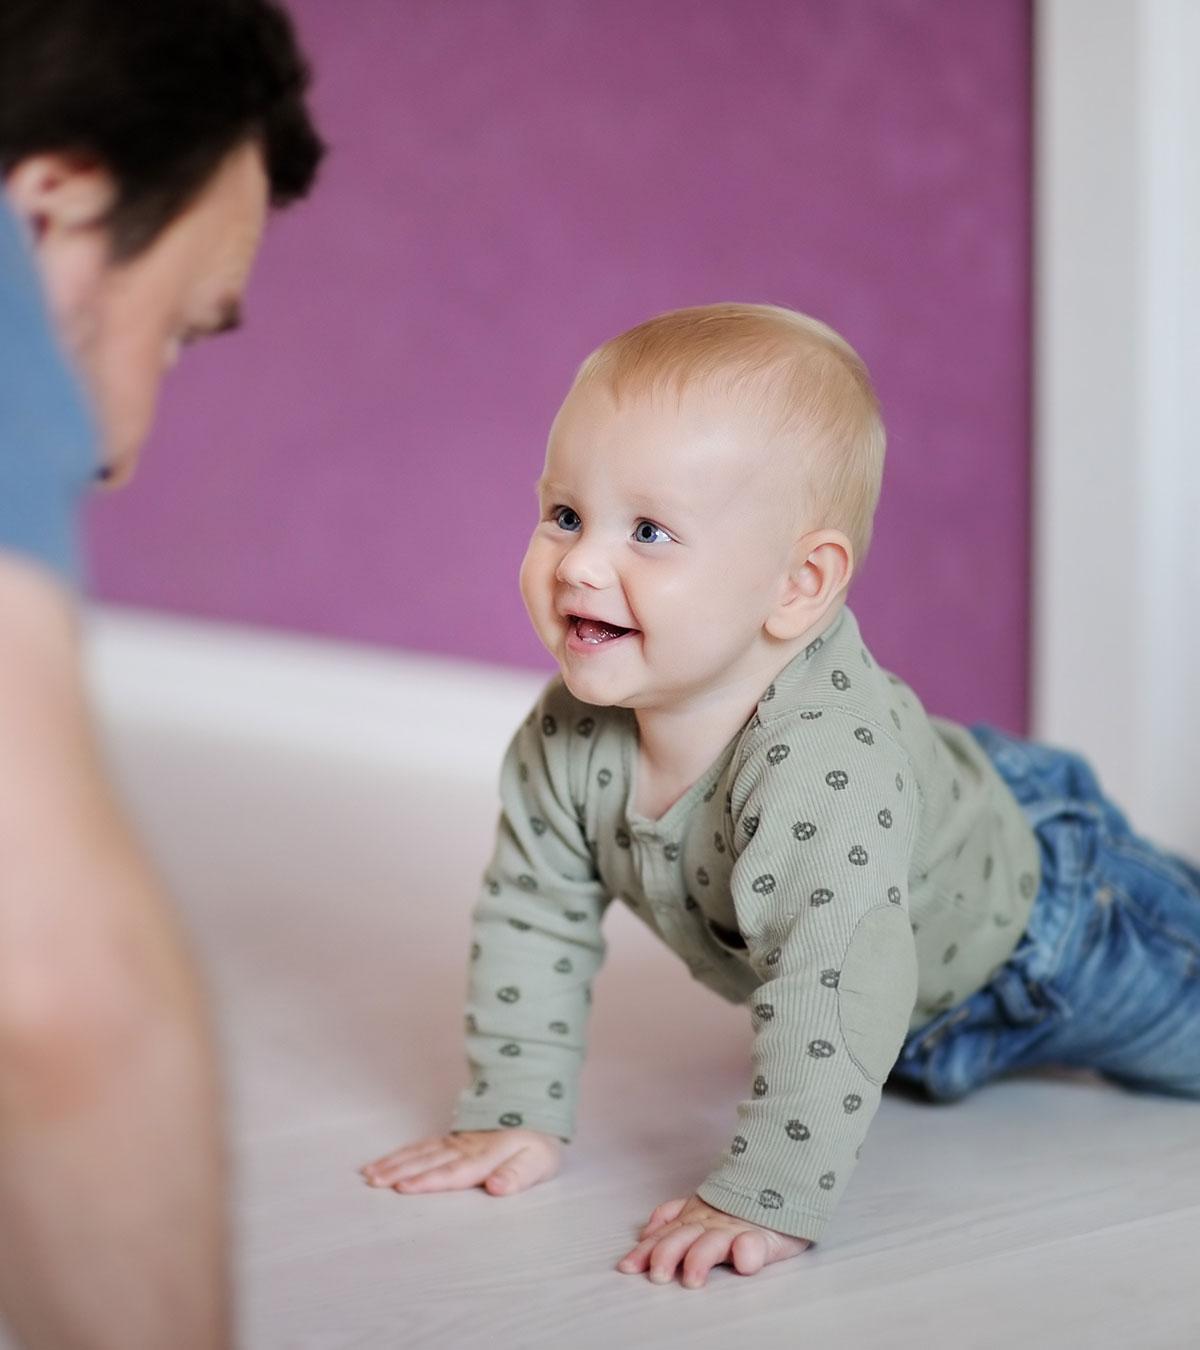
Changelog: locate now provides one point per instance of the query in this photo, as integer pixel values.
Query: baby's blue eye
(647, 532)
(566, 519)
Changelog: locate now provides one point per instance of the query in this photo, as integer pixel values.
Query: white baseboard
(337, 700)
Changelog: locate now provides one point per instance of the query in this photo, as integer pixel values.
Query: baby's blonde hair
(804, 377)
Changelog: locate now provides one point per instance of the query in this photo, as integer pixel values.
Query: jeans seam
(1048, 956)
(1165, 931)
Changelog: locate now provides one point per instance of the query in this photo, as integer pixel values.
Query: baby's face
(662, 546)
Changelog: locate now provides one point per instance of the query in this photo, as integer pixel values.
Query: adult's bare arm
(111, 1169)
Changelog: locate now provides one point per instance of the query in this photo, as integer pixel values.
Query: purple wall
(513, 181)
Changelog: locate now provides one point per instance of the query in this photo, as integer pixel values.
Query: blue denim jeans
(1107, 973)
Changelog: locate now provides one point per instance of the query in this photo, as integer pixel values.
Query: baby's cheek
(537, 582)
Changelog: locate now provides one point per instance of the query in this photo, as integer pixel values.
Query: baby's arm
(536, 946)
(824, 817)
(820, 888)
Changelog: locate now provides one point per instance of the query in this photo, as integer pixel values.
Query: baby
(890, 894)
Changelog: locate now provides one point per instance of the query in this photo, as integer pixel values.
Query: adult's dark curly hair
(159, 91)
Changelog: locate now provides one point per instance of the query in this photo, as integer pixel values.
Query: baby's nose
(585, 563)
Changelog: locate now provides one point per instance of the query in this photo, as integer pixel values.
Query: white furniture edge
(1116, 651)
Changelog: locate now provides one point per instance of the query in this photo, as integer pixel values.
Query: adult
(141, 145)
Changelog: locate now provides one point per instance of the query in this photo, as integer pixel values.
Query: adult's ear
(57, 193)
(63, 201)
(819, 571)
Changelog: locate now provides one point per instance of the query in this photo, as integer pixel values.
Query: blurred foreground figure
(141, 146)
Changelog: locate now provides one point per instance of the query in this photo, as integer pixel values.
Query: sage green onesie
(848, 867)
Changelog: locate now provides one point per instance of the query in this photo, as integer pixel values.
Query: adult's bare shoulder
(49, 766)
(38, 621)
(41, 690)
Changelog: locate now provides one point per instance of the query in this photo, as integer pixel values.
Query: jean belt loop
(1020, 996)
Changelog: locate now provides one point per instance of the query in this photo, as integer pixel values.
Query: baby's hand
(703, 1237)
(503, 1162)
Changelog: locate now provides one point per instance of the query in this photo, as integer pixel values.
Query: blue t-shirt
(48, 453)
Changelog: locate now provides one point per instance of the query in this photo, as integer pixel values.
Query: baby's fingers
(670, 1250)
(749, 1253)
(404, 1162)
(659, 1254)
(665, 1213)
(455, 1174)
(707, 1251)
(636, 1261)
(524, 1169)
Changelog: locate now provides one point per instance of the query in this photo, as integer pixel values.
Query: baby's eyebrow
(655, 507)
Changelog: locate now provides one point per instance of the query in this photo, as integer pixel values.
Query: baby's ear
(819, 571)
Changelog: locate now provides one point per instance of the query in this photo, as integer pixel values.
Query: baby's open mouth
(594, 631)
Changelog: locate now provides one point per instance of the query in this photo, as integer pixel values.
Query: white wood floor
(329, 901)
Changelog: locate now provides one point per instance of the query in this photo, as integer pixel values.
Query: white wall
(1117, 451)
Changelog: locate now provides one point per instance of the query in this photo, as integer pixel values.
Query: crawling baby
(887, 893)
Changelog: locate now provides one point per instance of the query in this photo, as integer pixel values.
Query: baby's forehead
(671, 403)
(696, 447)
(699, 423)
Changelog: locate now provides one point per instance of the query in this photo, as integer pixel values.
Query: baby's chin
(589, 690)
(592, 688)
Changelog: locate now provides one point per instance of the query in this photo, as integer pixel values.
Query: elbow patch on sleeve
(877, 989)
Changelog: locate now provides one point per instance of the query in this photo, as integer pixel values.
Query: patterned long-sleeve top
(848, 867)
